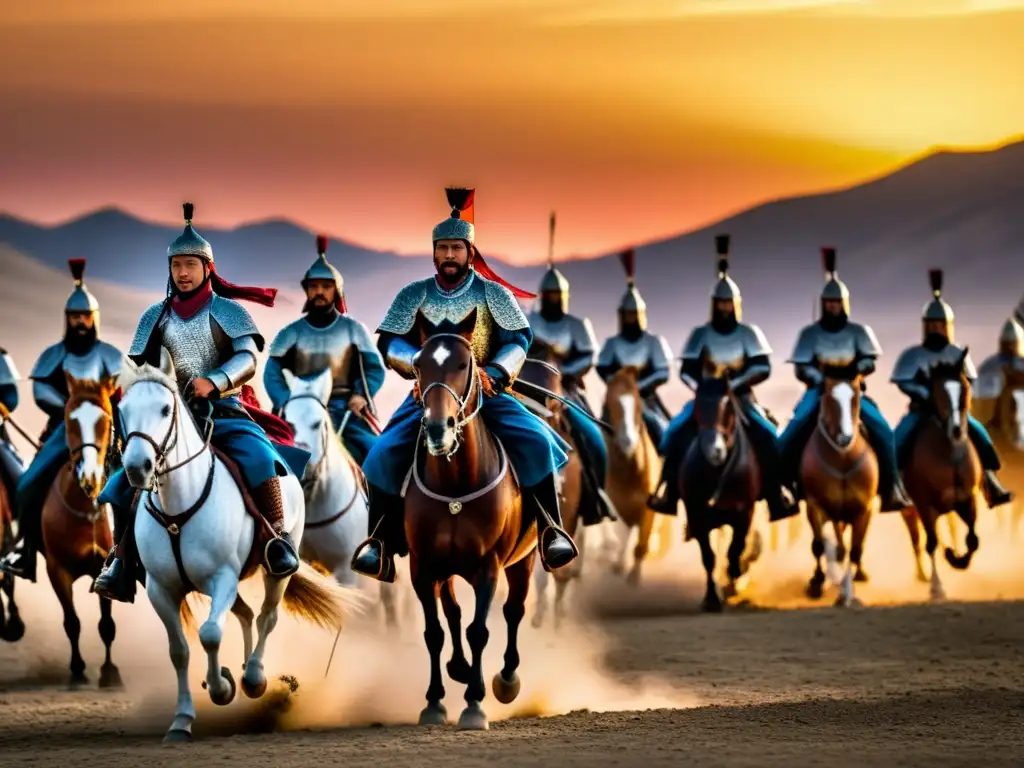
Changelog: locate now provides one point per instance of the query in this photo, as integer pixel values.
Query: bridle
(961, 432)
(823, 427)
(325, 429)
(463, 401)
(165, 446)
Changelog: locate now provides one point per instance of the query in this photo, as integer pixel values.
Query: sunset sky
(634, 119)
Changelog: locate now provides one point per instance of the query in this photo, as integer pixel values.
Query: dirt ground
(637, 677)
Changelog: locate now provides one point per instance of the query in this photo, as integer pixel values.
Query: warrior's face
(723, 315)
(81, 323)
(320, 294)
(832, 307)
(451, 259)
(187, 272)
(551, 305)
(936, 334)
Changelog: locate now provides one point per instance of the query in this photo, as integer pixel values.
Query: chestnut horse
(571, 494)
(943, 472)
(634, 467)
(839, 476)
(463, 517)
(720, 482)
(998, 403)
(12, 628)
(75, 529)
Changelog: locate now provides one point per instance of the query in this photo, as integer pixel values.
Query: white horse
(336, 503)
(184, 483)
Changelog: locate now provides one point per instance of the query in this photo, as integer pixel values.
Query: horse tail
(188, 619)
(320, 599)
(962, 562)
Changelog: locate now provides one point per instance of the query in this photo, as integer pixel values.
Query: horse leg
(643, 541)
(505, 684)
(62, 587)
(15, 627)
(484, 586)
(433, 634)
(223, 589)
(840, 530)
(815, 587)
(967, 511)
(540, 578)
(622, 530)
(110, 675)
(254, 681)
(244, 614)
(458, 668)
(910, 519)
(928, 519)
(857, 537)
(712, 602)
(168, 608)
(561, 585)
(738, 545)
(388, 603)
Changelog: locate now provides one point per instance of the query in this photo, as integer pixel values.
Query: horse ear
(423, 328)
(323, 385)
(289, 379)
(167, 364)
(72, 382)
(465, 328)
(129, 373)
(963, 355)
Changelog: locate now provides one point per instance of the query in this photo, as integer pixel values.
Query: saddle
(262, 532)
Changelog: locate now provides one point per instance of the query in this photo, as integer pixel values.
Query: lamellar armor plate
(726, 351)
(817, 347)
(103, 360)
(8, 371)
(334, 347)
(557, 341)
(494, 305)
(992, 375)
(917, 360)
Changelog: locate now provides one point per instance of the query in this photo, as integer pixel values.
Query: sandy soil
(634, 677)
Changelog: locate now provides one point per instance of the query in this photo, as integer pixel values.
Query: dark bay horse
(463, 517)
(720, 482)
(943, 472)
(76, 532)
(839, 475)
(572, 493)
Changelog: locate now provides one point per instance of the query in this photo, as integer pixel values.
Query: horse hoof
(434, 714)
(847, 602)
(110, 677)
(226, 698)
(77, 680)
(254, 689)
(177, 736)
(14, 630)
(504, 690)
(938, 595)
(711, 605)
(815, 590)
(537, 622)
(861, 576)
(459, 671)
(473, 718)
(633, 579)
(729, 590)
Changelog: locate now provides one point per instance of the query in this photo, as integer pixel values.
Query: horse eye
(316, 425)
(463, 366)
(165, 411)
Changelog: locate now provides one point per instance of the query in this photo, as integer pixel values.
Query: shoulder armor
(145, 328)
(991, 379)
(755, 343)
(360, 335)
(805, 350)
(693, 349)
(235, 320)
(285, 339)
(503, 305)
(660, 351)
(606, 356)
(49, 361)
(8, 371)
(113, 360)
(912, 361)
(401, 314)
(969, 369)
(867, 342)
(583, 337)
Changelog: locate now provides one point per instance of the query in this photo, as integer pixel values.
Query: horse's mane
(86, 390)
(149, 373)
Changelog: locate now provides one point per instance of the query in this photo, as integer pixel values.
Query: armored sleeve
(9, 396)
(867, 343)
(511, 354)
(756, 370)
(607, 364)
(274, 383)
(660, 364)
(237, 369)
(8, 382)
(693, 349)
(397, 352)
(990, 379)
(584, 350)
(373, 364)
(48, 398)
(284, 341)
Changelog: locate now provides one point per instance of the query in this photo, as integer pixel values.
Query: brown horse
(463, 517)
(12, 628)
(1002, 412)
(571, 491)
(719, 483)
(634, 467)
(943, 472)
(75, 531)
(839, 475)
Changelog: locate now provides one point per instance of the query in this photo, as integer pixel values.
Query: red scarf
(185, 307)
(485, 271)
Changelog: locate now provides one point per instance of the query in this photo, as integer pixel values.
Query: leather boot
(22, 561)
(117, 581)
(279, 558)
(556, 547)
(781, 503)
(375, 557)
(995, 493)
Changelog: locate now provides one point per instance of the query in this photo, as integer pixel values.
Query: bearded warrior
(635, 346)
(83, 355)
(327, 338)
(911, 372)
(568, 343)
(212, 342)
(726, 346)
(463, 285)
(1009, 360)
(11, 465)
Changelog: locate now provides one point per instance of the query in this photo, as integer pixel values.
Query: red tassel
(321, 244)
(77, 267)
(485, 271)
(460, 199)
(222, 287)
(628, 259)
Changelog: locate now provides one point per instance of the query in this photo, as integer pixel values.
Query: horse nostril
(148, 465)
(451, 422)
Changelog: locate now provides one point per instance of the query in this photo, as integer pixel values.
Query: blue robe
(756, 415)
(979, 436)
(36, 481)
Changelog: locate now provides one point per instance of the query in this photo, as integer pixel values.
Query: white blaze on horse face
(1018, 401)
(953, 390)
(843, 394)
(628, 436)
(441, 354)
(88, 415)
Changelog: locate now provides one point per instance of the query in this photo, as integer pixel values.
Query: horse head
(715, 414)
(625, 408)
(839, 415)
(150, 413)
(951, 395)
(88, 416)
(449, 383)
(306, 411)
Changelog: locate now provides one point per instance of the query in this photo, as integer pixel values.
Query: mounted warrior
(569, 343)
(726, 346)
(83, 355)
(911, 373)
(326, 338)
(212, 343)
(635, 346)
(835, 341)
(1006, 364)
(11, 465)
(463, 287)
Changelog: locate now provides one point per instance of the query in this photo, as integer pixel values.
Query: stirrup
(290, 549)
(386, 567)
(556, 533)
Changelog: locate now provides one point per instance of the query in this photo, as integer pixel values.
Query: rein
(734, 452)
(455, 503)
(825, 465)
(473, 382)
